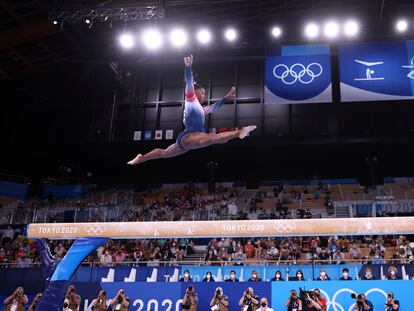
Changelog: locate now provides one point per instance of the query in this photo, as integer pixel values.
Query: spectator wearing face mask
(323, 276)
(277, 277)
(299, 276)
(264, 305)
(392, 274)
(255, 277)
(186, 277)
(232, 277)
(345, 275)
(368, 275)
(209, 277)
(106, 258)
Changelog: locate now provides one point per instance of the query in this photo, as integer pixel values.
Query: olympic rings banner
(377, 71)
(338, 293)
(298, 74)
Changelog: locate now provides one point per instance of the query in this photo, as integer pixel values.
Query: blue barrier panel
(13, 189)
(338, 294)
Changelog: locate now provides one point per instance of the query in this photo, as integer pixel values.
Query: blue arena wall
(160, 296)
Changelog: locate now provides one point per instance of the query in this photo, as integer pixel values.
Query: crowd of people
(18, 251)
(333, 250)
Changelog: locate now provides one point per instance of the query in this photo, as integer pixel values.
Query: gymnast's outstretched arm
(189, 82)
(217, 105)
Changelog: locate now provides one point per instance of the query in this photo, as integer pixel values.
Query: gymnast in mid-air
(194, 135)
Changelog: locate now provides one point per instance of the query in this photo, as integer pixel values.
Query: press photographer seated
(249, 301)
(391, 304)
(362, 303)
(120, 302)
(293, 303)
(190, 300)
(220, 302)
(16, 301)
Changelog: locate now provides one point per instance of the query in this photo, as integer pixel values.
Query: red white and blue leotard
(194, 113)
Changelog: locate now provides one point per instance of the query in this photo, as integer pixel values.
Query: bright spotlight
(126, 41)
(230, 34)
(331, 29)
(312, 31)
(178, 37)
(152, 39)
(204, 36)
(55, 22)
(401, 25)
(87, 21)
(351, 28)
(276, 32)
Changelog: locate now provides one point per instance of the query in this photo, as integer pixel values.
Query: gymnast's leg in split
(194, 136)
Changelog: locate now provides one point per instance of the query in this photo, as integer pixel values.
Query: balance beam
(231, 228)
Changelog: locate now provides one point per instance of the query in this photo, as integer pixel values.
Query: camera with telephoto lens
(190, 288)
(359, 298)
(303, 294)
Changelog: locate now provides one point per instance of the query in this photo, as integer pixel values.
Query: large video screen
(298, 74)
(377, 71)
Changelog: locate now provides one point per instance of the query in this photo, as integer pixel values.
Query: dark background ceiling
(49, 73)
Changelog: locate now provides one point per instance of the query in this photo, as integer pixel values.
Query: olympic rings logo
(336, 306)
(95, 230)
(285, 227)
(298, 72)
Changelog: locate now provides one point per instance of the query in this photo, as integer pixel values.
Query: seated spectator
(255, 277)
(278, 277)
(209, 277)
(338, 257)
(308, 214)
(232, 277)
(345, 275)
(392, 273)
(106, 258)
(249, 249)
(24, 261)
(323, 276)
(299, 276)
(186, 277)
(323, 255)
(368, 274)
(355, 252)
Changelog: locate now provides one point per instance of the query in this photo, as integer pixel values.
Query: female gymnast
(194, 136)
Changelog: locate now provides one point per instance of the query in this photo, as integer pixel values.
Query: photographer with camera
(190, 300)
(35, 302)
(100, 303)
(319, 299)
(249, 301)
(391, 304)
(309, 300)
(293, 303)
(220, 302)
(16, 301)
(120, 302)
(362, 303)
(72, 300)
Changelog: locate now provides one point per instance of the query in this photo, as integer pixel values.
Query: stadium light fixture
(331, 29)
(230, 34)
(204, 36)
(351, 28)
(126, 41)
(178, 38)
(152, 39)
(312, 30)
(401, 25)
(276, 32)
